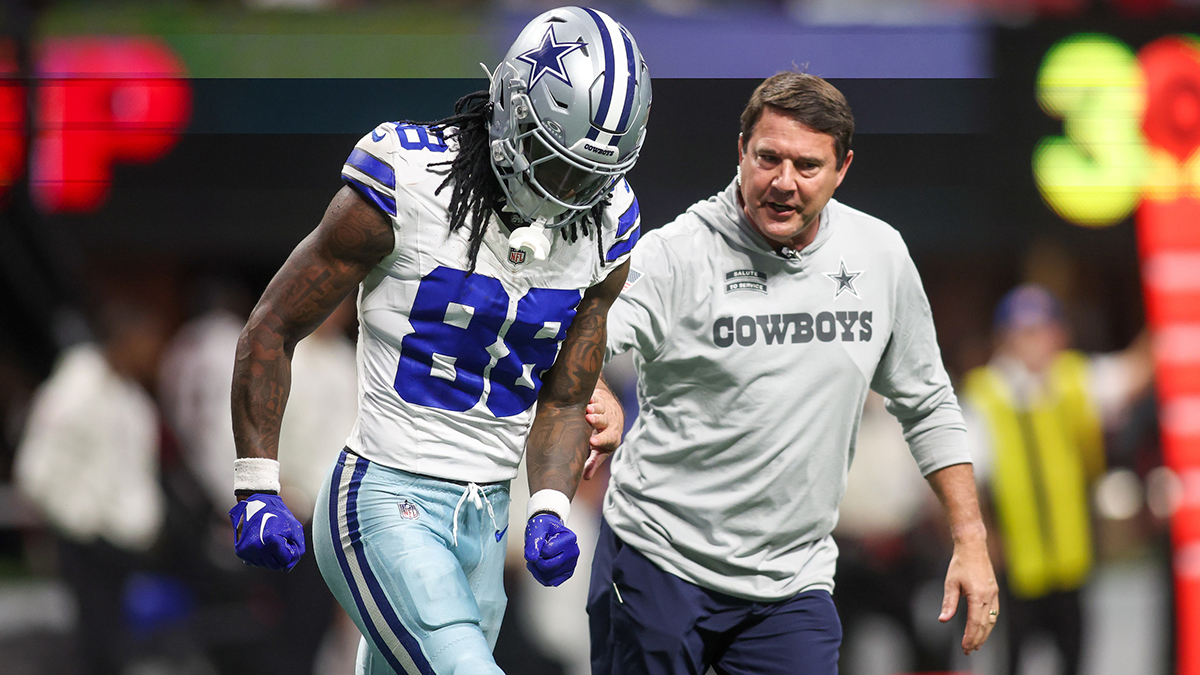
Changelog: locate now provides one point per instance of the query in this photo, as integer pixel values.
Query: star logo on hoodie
(844, 280)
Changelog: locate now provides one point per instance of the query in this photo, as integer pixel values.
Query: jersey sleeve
(370, 168)
(624, 210)
(911, 377)
(641, 316)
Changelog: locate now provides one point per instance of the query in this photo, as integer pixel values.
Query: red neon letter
(101, 101)
(12, 119)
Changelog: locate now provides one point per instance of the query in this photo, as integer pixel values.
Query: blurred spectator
(194, 383)
(1035, 413)
(89, 462)
(295, 610)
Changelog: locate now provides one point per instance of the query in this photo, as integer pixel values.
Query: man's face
(1035, 345)
(789, 173)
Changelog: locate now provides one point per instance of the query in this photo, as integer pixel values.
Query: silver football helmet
(570, 103)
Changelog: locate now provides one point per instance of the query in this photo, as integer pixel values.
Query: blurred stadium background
(151, 152)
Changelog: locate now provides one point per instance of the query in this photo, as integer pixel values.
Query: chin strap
(532, 239)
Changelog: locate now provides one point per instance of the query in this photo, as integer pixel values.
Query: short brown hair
(810, 101)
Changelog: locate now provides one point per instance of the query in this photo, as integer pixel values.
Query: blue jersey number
(417, 137)
(457, 319)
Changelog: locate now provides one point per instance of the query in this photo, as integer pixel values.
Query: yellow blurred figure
(1042, 434)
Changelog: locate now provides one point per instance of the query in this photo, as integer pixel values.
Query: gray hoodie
(753, 367)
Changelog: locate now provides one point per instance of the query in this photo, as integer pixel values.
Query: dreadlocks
(475, 192)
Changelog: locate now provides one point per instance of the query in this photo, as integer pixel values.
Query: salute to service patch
(745, 280)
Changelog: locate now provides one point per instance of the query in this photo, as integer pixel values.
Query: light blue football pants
(418, 564)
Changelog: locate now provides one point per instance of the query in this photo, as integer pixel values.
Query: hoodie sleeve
(641, 316)
(915, 383)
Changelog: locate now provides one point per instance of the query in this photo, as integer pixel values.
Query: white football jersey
(450, 363)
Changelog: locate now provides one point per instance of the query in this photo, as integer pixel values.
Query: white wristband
(256, 474)
(549, 501)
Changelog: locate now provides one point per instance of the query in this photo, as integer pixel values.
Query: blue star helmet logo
(547, 58)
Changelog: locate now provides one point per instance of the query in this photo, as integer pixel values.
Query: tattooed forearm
(558, 441)
(578, 368)
(326, 267)
(261, 381)
(563, 435)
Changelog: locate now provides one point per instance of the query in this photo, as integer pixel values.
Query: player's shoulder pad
(370, 168)
(622, 222)
(391, 156)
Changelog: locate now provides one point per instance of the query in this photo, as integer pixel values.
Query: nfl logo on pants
(408, 510)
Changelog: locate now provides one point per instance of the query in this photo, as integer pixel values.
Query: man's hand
(266, 534)
(551, 551)
(971, 576)
(607, 419)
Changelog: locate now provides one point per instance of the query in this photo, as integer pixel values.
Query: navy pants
(645, 621)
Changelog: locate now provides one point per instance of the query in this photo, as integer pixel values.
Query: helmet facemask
(543, 179)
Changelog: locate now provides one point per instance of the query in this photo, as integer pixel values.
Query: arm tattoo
(558, 440)
(325, 268)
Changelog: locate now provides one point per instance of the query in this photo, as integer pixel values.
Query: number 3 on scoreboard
(458, 320)
(1094, 174)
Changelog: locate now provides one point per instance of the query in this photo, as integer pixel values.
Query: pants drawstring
(478, 499)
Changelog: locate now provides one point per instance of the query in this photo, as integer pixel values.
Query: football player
(486, 249)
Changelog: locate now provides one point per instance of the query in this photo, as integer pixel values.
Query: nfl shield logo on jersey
(408, 510)
(516, 256)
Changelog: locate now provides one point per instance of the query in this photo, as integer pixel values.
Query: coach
(758, 320)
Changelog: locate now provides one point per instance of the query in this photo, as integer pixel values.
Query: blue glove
(551, 551)
(267, 534)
